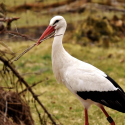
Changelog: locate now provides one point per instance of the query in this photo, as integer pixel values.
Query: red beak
(48, 31)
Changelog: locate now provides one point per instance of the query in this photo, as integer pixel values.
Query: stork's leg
(110, 120)
(86, 117)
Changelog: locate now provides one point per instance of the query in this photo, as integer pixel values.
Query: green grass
(57, 98)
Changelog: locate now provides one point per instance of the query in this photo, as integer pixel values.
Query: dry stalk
(5, 114)
(25, 51)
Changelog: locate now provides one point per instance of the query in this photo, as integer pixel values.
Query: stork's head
(55, 24)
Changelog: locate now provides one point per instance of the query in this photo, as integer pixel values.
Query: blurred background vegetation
(95, 34)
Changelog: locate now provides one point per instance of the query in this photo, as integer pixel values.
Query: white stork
(89, 84)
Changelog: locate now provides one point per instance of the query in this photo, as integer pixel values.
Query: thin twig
(34, 84)
(16, 28)
(25, 51)
(5, 114)
(7, 47)
(7, 87)
(19, 34)
(41, 121)
(41, 94)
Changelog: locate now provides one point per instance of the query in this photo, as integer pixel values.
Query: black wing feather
(112, 99)
(114, 83)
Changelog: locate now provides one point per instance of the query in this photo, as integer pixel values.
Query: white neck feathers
(57, 46)
(59, 56)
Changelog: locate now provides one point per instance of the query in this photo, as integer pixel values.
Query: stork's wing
(114, 83)
(111, 99)
(97, 87)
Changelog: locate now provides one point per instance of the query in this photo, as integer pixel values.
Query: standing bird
(89, 84)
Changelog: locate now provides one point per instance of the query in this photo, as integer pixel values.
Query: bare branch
(34, 84)
(19, 34)
(41, 121)
(8, 19)
(30, 90)
(25, 51)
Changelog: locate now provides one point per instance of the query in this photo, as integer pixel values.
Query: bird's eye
(56, 22)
